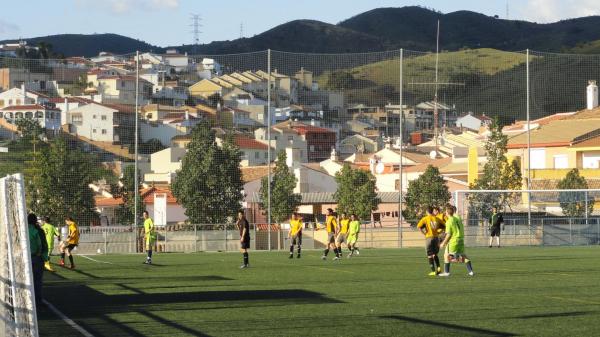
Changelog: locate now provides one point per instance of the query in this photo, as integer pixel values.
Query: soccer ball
(99, 251)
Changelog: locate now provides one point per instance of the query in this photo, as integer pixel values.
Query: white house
(472, 122)
(103, 122)
(22, 96)
(47, 117)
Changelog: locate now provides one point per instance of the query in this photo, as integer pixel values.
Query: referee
(244, 227)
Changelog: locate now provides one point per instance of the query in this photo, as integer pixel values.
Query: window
(39, 114)
(94, 131)
(290, 138)
(77, 119)
(538, 158)
(266, 155)
(591, 160)
(561, 161)
(94, 116)
(103, 117)
(103, 131)
(122, 84)
(256, 155)
(18, 101)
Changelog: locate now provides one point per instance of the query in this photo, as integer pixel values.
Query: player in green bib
(149, 236)
(454, 243)
(353, 230)
(49, 232)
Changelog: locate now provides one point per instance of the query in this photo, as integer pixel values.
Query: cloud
(128, 6)
(545, 11)
(8, 28)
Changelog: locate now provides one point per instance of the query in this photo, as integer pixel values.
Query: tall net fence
(211, 128)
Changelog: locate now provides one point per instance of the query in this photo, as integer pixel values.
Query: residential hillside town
(93, 102)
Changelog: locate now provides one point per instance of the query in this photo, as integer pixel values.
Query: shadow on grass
(556, 314)
(465, 329)
(87, 306)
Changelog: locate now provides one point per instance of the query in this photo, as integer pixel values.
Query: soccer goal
(538, 217)
(17, 308)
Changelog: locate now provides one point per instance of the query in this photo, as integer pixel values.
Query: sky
(168, 22)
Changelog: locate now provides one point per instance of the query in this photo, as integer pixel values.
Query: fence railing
(197, 238)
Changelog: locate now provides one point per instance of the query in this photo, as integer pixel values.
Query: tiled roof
(148, 195)
(249, 143)
(71, 99)
(557, 133)
(327, 197)
(108, 202)
(300, 128)
(26, 107)
(251, 173)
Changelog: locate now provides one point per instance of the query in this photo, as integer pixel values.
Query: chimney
(293, 158)
(334, 156)
(592, 95)
(64, 114)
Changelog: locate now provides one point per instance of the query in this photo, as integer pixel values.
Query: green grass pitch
(523, 291)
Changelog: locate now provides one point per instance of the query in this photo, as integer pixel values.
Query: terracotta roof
(148, 195)
(586, 114)
(518, 125)
(161, 107)
(249, 143)
(71, 99)
(108, 202)
(27, 107)
(251, 173)
(439, 163)
(301, 128)
(120, 107)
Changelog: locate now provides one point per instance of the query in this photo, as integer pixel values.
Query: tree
(209, 184)
(283, 199)
(498, 174)
(30, 129)
(151, 146)
(61, 189)
(340, 80)
(356, 192)
(126, 190)
(429, 189)
(573, 204)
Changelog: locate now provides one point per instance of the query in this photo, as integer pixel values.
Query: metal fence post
(226, 233)
(195, 238)
(105, 243)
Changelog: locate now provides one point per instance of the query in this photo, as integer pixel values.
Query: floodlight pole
(135, 160)
(528, 151)
(269, 151)
(401, 143)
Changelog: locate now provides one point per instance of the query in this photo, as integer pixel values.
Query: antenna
(195, 18)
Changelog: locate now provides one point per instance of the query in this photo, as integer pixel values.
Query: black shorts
(495, 231)
(70, 247)
(432, 245)
(297, 240)
(246, 243)
(330, 237)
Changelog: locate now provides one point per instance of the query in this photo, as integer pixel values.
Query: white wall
(175, 213)
(162, 132)
(92, 119)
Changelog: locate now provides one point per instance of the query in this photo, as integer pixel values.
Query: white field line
(92, 259)
(67, 320)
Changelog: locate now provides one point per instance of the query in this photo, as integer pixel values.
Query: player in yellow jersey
(342, 236)
(332, 230)
(67, 246)
(49, 233)
(442, 217)
(353, 230)
(295, 234)
(430, 226)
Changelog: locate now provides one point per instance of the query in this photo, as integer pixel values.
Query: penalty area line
(91, 259)
(67, 320)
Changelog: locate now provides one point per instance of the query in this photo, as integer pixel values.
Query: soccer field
(524, 291)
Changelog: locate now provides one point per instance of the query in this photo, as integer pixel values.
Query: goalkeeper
(149, 236)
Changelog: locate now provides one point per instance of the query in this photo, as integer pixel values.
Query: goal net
(17, 309)
(544, 217)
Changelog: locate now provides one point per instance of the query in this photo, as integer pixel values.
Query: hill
(91, 45)
(416, 26)
(375, 30)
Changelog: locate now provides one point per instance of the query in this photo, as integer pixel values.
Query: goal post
(18, 316)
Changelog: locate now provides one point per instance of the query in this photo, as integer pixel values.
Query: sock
(469, 266)
(292, 249)
(299, 249)
(62, 256)
(431, 263)
(326, 251)
(436, 259)
(149, 252)
(71, 259)
(245, 259)
(447, 267)
(337, 252)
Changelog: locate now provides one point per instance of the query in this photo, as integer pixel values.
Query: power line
(195, 18)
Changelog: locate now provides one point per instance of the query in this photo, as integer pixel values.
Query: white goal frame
(18, 315)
